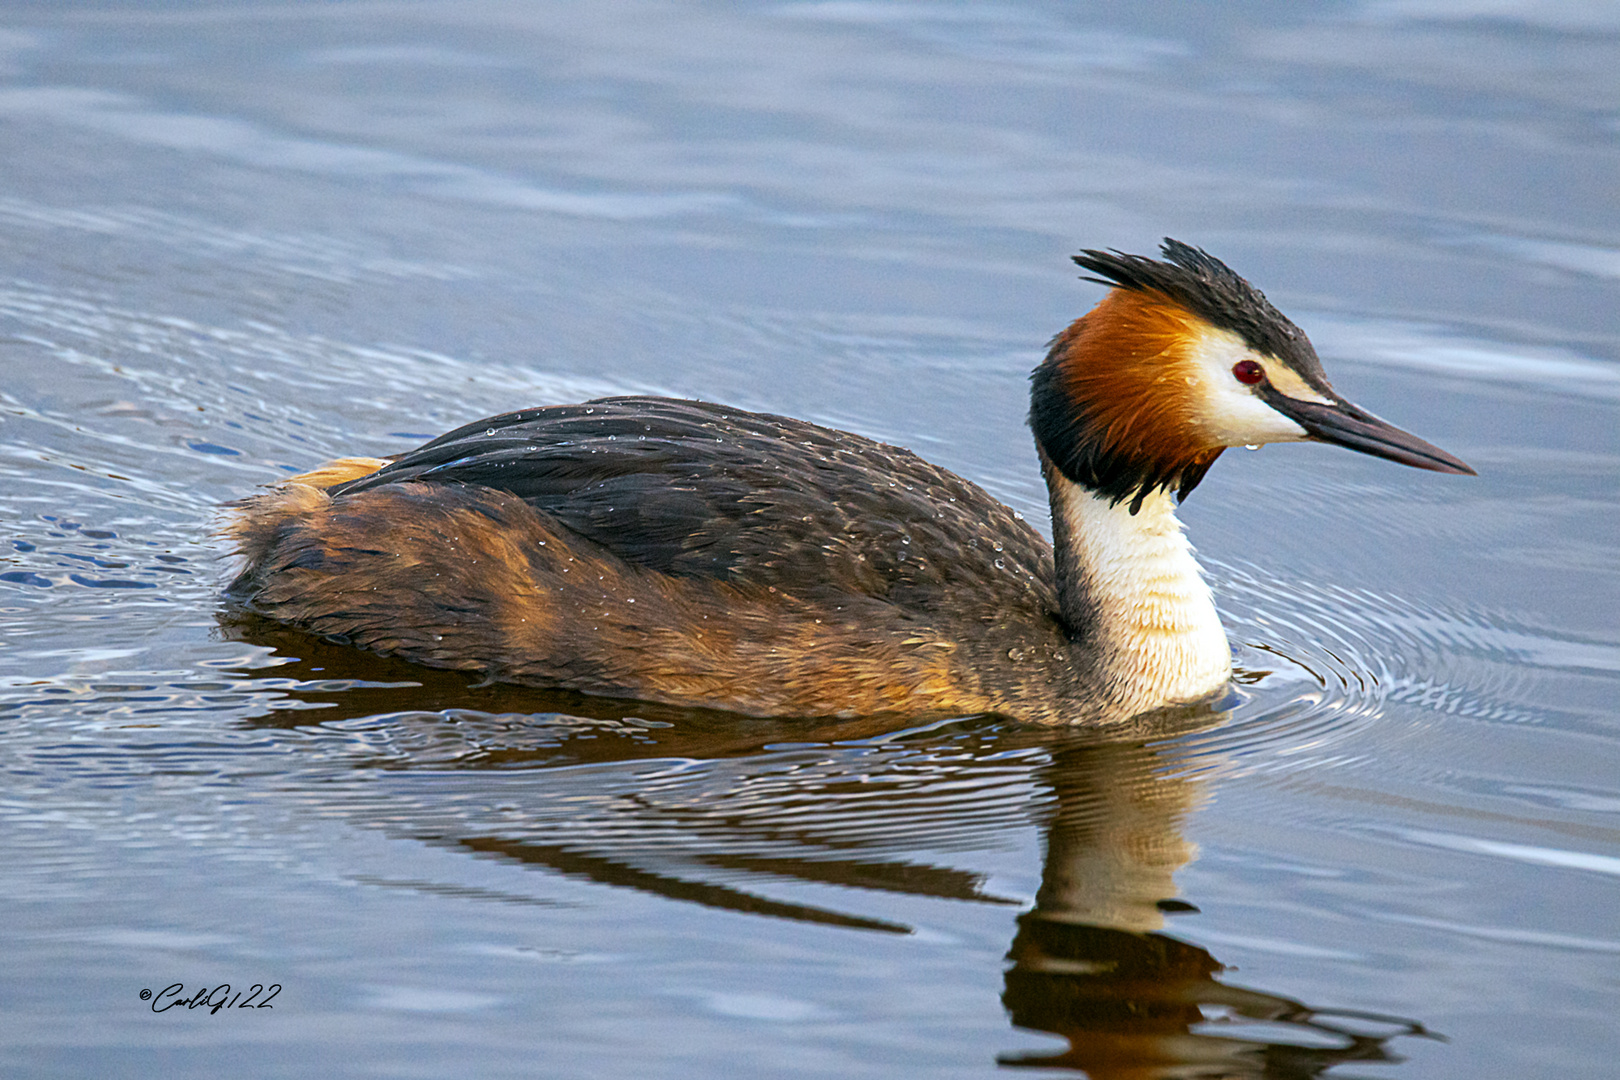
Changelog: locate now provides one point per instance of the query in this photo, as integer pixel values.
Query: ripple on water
(270, 254)
(125, 430)
(614, 781)
(1321, 664)
(164, 385)
(709, 817)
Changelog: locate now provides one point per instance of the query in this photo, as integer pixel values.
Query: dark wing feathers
(700, 490)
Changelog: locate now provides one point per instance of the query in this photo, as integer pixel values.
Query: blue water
(237, 240)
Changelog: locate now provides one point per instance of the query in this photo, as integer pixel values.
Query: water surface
(236, 240)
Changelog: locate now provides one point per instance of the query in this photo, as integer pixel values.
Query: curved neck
(1134, 599)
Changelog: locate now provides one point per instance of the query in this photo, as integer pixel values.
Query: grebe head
(1182, 359)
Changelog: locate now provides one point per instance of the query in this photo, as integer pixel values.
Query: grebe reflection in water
(849, 825)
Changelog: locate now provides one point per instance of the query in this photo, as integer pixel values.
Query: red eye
(1248, 372)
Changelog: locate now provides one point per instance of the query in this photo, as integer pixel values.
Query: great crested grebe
(694, 554)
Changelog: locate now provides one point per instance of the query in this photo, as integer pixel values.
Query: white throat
(1145, 613)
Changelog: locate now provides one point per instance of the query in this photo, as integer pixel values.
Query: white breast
(1159, 639)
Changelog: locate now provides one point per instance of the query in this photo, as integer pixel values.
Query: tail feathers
(340, 471)
(259, 525)
(433, 573)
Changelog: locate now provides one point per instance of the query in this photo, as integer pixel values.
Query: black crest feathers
(1210, 289)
